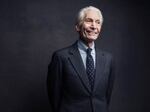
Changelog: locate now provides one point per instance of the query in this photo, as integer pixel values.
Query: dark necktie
(90, 68)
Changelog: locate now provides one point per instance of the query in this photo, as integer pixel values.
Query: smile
(92, 32)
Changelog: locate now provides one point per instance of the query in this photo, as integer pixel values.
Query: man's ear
(77, 28)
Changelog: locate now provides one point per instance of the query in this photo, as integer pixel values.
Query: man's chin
(92, 38)
(89, 38)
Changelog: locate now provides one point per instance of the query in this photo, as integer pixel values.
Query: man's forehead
(92, 14)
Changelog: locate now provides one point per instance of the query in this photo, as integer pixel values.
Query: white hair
(82, 13)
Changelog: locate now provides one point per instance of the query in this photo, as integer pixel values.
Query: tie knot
(89, 51)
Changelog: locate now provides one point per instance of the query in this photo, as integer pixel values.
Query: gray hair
(82, 13)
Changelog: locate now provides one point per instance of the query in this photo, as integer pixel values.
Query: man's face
(91, 26)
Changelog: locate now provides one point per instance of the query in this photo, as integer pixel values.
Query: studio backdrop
(31, 30)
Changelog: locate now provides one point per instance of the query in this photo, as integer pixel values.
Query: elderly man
(80, 77)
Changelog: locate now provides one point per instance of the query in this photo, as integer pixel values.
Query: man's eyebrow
(91, 18)
(88, 18)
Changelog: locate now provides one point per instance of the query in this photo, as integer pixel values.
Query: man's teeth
(92, 32)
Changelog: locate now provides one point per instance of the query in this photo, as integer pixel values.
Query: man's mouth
(91, 32)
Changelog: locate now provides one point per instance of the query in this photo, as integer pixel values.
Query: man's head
(88, 23)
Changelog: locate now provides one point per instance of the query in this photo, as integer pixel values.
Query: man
(80, 77)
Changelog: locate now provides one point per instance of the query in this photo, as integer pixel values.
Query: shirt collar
(84, 47)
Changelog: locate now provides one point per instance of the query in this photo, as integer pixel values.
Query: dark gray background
(30, 30)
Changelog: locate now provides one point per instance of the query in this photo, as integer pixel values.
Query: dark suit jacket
(68, 85)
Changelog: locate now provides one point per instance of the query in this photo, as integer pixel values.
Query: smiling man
(80, 77)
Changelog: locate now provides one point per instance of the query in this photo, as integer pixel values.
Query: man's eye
(88, 20)
(98, 22)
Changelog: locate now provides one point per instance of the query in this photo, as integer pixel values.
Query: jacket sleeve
(110, 81)
(54, 82)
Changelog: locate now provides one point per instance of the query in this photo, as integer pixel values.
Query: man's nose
(93, 25)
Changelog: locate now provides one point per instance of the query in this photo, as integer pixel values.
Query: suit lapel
(76, 60)
(100, 64)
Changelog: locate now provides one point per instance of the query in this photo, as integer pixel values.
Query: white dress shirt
(82, 50)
